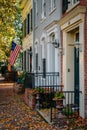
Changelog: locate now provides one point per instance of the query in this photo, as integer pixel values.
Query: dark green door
(76, 72)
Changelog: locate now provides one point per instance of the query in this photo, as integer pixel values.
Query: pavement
(15, 114)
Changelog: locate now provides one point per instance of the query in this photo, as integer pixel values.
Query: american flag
(14, 52)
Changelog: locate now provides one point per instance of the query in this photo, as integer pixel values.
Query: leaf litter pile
(16, 115)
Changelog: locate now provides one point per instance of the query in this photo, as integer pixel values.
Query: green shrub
(68, 111)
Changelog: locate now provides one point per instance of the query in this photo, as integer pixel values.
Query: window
(25, 60)
(64, 5)
(31, 20)
(28, 23)
(44, 67)
(44, 57)
(24, 28)
(74, 1)
(53, 4)
(43, 9)
(35, 11)
(36, 62)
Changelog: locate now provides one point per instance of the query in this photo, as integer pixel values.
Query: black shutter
(37, 62)
(25, 60)
(64, 6)
(28, 23)
(31, 20)
(44, 68)
(25, 28)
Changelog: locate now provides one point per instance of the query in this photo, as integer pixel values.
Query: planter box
(30, 98)
(18, 88)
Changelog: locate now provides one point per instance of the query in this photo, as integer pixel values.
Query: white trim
(53, 5)
(43, 9)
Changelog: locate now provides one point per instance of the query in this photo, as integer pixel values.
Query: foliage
(9, 13)
(68, 111)
(59, 95)
(39, 89)
(21, 78)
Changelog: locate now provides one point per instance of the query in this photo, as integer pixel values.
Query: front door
(76, 72)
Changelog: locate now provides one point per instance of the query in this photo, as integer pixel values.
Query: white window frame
(74, 1)
(53, 5)
(36, 11)
(43, 9)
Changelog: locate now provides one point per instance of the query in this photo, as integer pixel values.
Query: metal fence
(44, 101)
(33, 80)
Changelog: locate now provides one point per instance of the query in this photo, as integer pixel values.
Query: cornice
(71, 14)
(51, 24)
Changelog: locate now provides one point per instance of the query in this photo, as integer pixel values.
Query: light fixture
(78, 46)
(56, 44)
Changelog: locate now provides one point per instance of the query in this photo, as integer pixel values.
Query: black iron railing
(50, 84)
(34, 80)
(69, 108)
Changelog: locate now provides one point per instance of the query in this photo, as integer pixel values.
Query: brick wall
(85, 63)
(83, 2)
(30, 98)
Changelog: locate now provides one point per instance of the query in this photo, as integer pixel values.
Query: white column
(81, 69)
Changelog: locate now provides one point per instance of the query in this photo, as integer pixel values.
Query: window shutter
(25, 60)
(28, 23)
(36, 62)
(25, 28)
(44, 68)
(31, 20)
(64, 5)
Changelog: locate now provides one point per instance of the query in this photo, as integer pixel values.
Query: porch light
(56, 44)
(78, 46)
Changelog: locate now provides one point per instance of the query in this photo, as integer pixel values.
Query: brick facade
(29, 98)
(83, 2)
(85, 63)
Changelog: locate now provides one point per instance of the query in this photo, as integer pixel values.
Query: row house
(55, 42)
(46, 36)
(74, 45)
(26, 7)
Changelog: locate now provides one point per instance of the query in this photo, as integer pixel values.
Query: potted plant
(38, 90)
(58, 97)
(19, 85)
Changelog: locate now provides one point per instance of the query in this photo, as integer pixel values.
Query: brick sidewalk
(6, 92)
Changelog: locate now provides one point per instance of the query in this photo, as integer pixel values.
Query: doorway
(76, 71)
